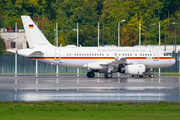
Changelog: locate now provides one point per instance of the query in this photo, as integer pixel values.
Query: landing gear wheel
(108, 75)
(151, 76)
(90, 74)
(140, 75)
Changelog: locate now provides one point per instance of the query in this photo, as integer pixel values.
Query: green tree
(171, 5)
(1, 21)
(2, 46)
(129, 37)
(132, 11)
(88, 36)
(86, 14)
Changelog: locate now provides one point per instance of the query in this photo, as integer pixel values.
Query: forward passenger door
(155, 55)
(57, 55)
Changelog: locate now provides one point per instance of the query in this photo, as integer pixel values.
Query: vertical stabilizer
(34, 36)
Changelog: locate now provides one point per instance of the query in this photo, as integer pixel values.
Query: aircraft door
(155, 55)
(115, 55)
(57, 55)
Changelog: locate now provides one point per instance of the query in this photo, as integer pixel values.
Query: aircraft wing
(118, 61)
(104, 64)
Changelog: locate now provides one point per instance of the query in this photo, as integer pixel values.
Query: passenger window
(74, 54)
(107, 54)
(102, 54)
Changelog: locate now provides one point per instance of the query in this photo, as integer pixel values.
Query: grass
(88, 110)
(170, 74)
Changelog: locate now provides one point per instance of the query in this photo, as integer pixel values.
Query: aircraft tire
(108, 75)
(140, 75)
(151, 76)
(90, 74)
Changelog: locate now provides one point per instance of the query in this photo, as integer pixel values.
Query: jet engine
(137, 69)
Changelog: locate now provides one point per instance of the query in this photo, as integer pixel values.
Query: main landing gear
(108, 75)
(151, 76)
(90, 74)
(149, 73)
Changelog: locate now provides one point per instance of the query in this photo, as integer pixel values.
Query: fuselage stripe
(128, 58)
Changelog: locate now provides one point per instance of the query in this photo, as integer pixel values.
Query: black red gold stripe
(136, 58)
(128, 58)
(31, 26)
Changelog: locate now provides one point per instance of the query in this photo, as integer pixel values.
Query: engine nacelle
(138, 69)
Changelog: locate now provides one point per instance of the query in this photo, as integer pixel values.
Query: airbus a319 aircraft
(137, 61)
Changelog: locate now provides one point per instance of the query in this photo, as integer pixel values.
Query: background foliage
(89, 12)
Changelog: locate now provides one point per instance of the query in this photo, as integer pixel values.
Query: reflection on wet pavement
(73, 88)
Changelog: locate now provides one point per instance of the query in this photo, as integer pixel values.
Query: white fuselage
(77, 57)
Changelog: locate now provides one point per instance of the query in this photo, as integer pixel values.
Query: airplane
(134, 61)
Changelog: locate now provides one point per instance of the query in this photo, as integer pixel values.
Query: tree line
(46, 13)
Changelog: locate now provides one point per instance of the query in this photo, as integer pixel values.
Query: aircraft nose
(173, 61)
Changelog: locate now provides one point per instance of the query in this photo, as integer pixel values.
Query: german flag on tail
(31, 26)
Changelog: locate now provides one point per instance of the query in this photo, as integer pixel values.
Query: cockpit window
(165, 54)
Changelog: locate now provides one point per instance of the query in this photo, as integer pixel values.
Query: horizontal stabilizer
(12, 51)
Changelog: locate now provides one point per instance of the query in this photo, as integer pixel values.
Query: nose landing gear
(90, 74)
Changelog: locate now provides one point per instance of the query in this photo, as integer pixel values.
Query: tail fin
(34, 36)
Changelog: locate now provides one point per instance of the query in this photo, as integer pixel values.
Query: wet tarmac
(69, 87)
